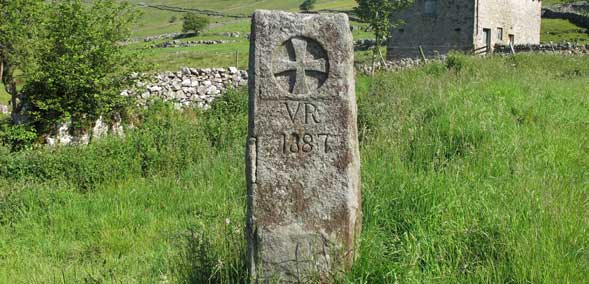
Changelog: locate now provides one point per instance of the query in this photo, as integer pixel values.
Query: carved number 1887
(296, 143)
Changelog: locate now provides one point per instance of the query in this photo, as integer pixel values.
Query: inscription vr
(308, 113)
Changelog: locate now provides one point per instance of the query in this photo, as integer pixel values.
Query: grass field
(154, 22)
(472, 172)
(556, 30)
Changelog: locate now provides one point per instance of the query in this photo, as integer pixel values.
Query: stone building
(439, 26)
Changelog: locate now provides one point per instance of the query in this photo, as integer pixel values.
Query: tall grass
(472, 172)
(477, 174)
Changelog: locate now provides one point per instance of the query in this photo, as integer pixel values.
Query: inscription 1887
(297, 142)
(305, 143)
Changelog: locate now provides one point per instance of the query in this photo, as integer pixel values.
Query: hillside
(158, 21)
(472, 172)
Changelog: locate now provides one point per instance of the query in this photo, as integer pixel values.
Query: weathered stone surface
(304, 204)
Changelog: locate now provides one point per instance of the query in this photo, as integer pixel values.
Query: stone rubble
(177, 43)
(234, 34)
(364, 44)
(189, 87)
(61, 134)
(395, 65)
(565, 48)
(162, 36)
(4, 109)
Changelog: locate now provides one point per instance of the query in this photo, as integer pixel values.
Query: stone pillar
(303, 165)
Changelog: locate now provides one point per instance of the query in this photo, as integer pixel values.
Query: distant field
(155, 21)
(551, 2)
(248, 6)
(556, 30)
(202, 56)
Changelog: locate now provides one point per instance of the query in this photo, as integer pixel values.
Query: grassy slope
(556, 30)
(247, 6)
(471, 176)
(157, 22)
(551, 2)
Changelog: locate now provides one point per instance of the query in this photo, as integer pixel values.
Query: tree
(81, 67)
(194, 23)
(21, 21)
(378, 15)
(308, 5)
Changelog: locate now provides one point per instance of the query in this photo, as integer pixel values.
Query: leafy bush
(307, 5)
(80, 67)
(163, 143)
(17, 137)
(226, 121)
(194, 23)
(455, 61)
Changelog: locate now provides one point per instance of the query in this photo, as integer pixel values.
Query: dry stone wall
(177, 43)
(565, 48)
(577, 13)
(189, 87)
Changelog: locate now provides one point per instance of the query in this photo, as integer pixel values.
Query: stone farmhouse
(439, 26)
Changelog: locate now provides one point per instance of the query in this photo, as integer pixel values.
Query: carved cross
(301, 65)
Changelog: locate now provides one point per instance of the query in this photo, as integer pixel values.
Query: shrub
(194, 23)
(17, 137)
(226, 121)
(308, 5)
(455, 61)
(81, 65)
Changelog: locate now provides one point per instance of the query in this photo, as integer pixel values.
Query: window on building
(431, 7)
(500, 34)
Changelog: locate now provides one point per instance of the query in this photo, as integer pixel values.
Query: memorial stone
(303, 165)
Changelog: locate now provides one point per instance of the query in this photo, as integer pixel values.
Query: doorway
(487, 39)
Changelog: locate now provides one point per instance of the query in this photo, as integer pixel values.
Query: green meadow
(556, 30)
(155, 21)
(473, 171)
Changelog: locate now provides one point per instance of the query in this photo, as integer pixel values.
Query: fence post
(237, 59)
(421, 54)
